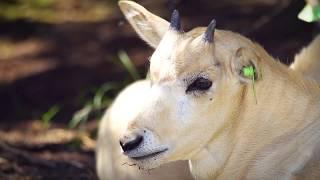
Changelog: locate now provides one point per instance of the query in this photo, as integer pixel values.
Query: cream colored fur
(115, 120)
(308, 60)
(108, 153)
(225, 132)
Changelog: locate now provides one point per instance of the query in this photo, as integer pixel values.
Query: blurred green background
(56, 11)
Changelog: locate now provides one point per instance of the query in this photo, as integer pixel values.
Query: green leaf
(50, 114)
(310, 13)
(98, 97)
(81, 116)
(126, 61)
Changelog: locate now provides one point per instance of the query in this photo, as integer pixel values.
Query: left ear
(245, 65)
(150, 27)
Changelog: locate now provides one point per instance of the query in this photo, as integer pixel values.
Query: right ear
(245, 58)
(149, 27)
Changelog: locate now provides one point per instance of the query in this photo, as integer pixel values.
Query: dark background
(57, 57)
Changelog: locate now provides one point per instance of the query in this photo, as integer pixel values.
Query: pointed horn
(209, 34)
(175, 21)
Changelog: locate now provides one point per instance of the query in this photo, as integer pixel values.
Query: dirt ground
(43, 64)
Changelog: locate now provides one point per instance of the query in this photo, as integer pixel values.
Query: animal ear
(245, 65)
(149, 27)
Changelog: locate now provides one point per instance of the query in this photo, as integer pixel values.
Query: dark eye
(200, 84)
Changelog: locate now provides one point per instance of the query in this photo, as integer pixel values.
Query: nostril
(132, 144)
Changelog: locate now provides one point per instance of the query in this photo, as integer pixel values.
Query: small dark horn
(175, 21)
(209, 34)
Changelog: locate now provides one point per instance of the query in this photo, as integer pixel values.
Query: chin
(151, 160)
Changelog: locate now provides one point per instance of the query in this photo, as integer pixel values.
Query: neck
(229, 154)
(209, 162)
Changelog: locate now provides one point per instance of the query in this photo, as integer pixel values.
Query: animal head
(198, 82)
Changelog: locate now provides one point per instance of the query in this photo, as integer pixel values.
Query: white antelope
(111, 164)
(125, 108)
(204, 107)
(110, 161)
(308, 60)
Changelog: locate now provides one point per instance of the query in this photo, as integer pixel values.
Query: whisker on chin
(126, 163)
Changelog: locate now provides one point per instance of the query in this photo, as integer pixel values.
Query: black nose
(131, 144)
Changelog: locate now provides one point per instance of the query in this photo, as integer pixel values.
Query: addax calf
(114, 122)
(111, 164)
(223, 103)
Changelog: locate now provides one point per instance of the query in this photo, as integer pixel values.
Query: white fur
(308, 60)
(108, 153)
(231, 131)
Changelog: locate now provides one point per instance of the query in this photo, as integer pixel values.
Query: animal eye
(200, 84)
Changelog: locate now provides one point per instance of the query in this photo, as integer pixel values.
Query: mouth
(149, 155)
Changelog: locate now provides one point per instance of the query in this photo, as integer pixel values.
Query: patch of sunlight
(7, 49)
(58, 11)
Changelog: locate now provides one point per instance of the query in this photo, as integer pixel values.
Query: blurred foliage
(57, 11)
(97, 104)
(94, 106)
(128, 64)
(48, 116)
(311, 12)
